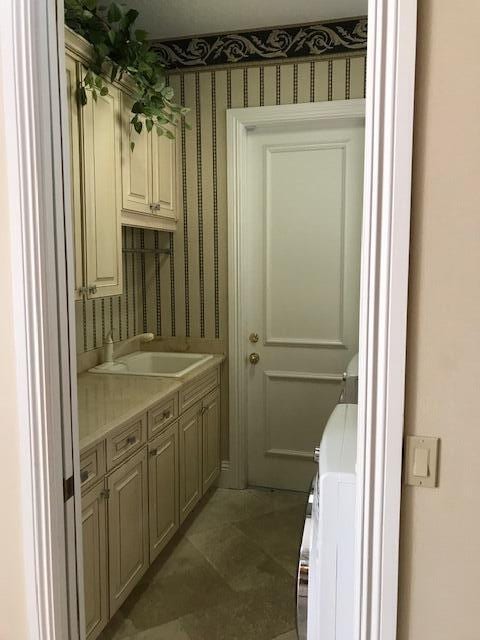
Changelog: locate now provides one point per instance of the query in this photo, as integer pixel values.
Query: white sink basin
(154, 363)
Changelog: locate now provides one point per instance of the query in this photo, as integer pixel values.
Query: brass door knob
(254, 358)
(253, 337)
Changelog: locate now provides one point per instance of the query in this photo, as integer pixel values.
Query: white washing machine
(325, 582)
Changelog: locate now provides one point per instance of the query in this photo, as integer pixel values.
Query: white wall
(440, 531)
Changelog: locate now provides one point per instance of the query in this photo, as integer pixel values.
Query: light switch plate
(421, 460)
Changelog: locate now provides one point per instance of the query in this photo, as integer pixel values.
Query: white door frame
(383, 306)
(239, 123)
(32, 79)
(39, 244)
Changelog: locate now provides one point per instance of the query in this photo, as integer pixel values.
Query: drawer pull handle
(166, 414)
(131, 440)
(154, 452)
(84, 473)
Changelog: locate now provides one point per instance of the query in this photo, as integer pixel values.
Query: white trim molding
(29, 76)
(239, 123)
(383, 311)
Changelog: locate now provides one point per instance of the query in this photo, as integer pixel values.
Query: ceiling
(164, 19)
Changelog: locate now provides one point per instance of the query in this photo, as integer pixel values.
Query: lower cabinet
(94, 531)
(127, 527)
(199, 433)
(210, 439)
(190, 434)
(163, 489)
(131, 514)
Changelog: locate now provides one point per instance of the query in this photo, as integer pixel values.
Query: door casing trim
(383, 305)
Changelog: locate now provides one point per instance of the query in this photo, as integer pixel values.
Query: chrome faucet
(108, 356)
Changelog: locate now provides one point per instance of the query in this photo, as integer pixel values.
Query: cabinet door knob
(84, 475)
(105, 494)
(131, 439)
(254, 358)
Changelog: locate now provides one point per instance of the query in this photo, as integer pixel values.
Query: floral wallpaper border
(329, 38)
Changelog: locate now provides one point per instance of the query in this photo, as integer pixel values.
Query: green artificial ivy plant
(121, 48)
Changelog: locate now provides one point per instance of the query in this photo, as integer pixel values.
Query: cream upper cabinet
(127, 527)
(136, 164)
(102, 189)
(210, 439)
(94, 533)
(164, 188)
(190, 434)
(96, 180)
(72, 72)
(163, 489)
(149, 176)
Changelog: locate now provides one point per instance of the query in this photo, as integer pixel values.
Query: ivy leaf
(143, 67)
(128, 19)
(102, 50)
(170, 135)
(167, 93)
(141, 35)
(114, 13)
(113, 72)
(110, 29)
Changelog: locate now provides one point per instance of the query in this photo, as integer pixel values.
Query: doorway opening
(198, 421)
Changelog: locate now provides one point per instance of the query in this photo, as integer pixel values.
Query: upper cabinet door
(103, 194)
(164, 189)
(72, 70)
(136, 164)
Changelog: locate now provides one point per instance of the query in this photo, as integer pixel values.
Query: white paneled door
(301, 241)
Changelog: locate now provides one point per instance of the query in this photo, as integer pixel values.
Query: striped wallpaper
(185, 294)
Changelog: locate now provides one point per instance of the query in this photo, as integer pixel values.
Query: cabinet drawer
(162, 415)
(194, 391)
(92, 465)
(125, 440)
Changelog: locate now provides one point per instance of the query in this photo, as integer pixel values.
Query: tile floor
(229, 574)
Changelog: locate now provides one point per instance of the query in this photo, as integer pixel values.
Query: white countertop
(106, 401)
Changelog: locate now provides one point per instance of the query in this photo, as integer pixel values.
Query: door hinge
(68, 488)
